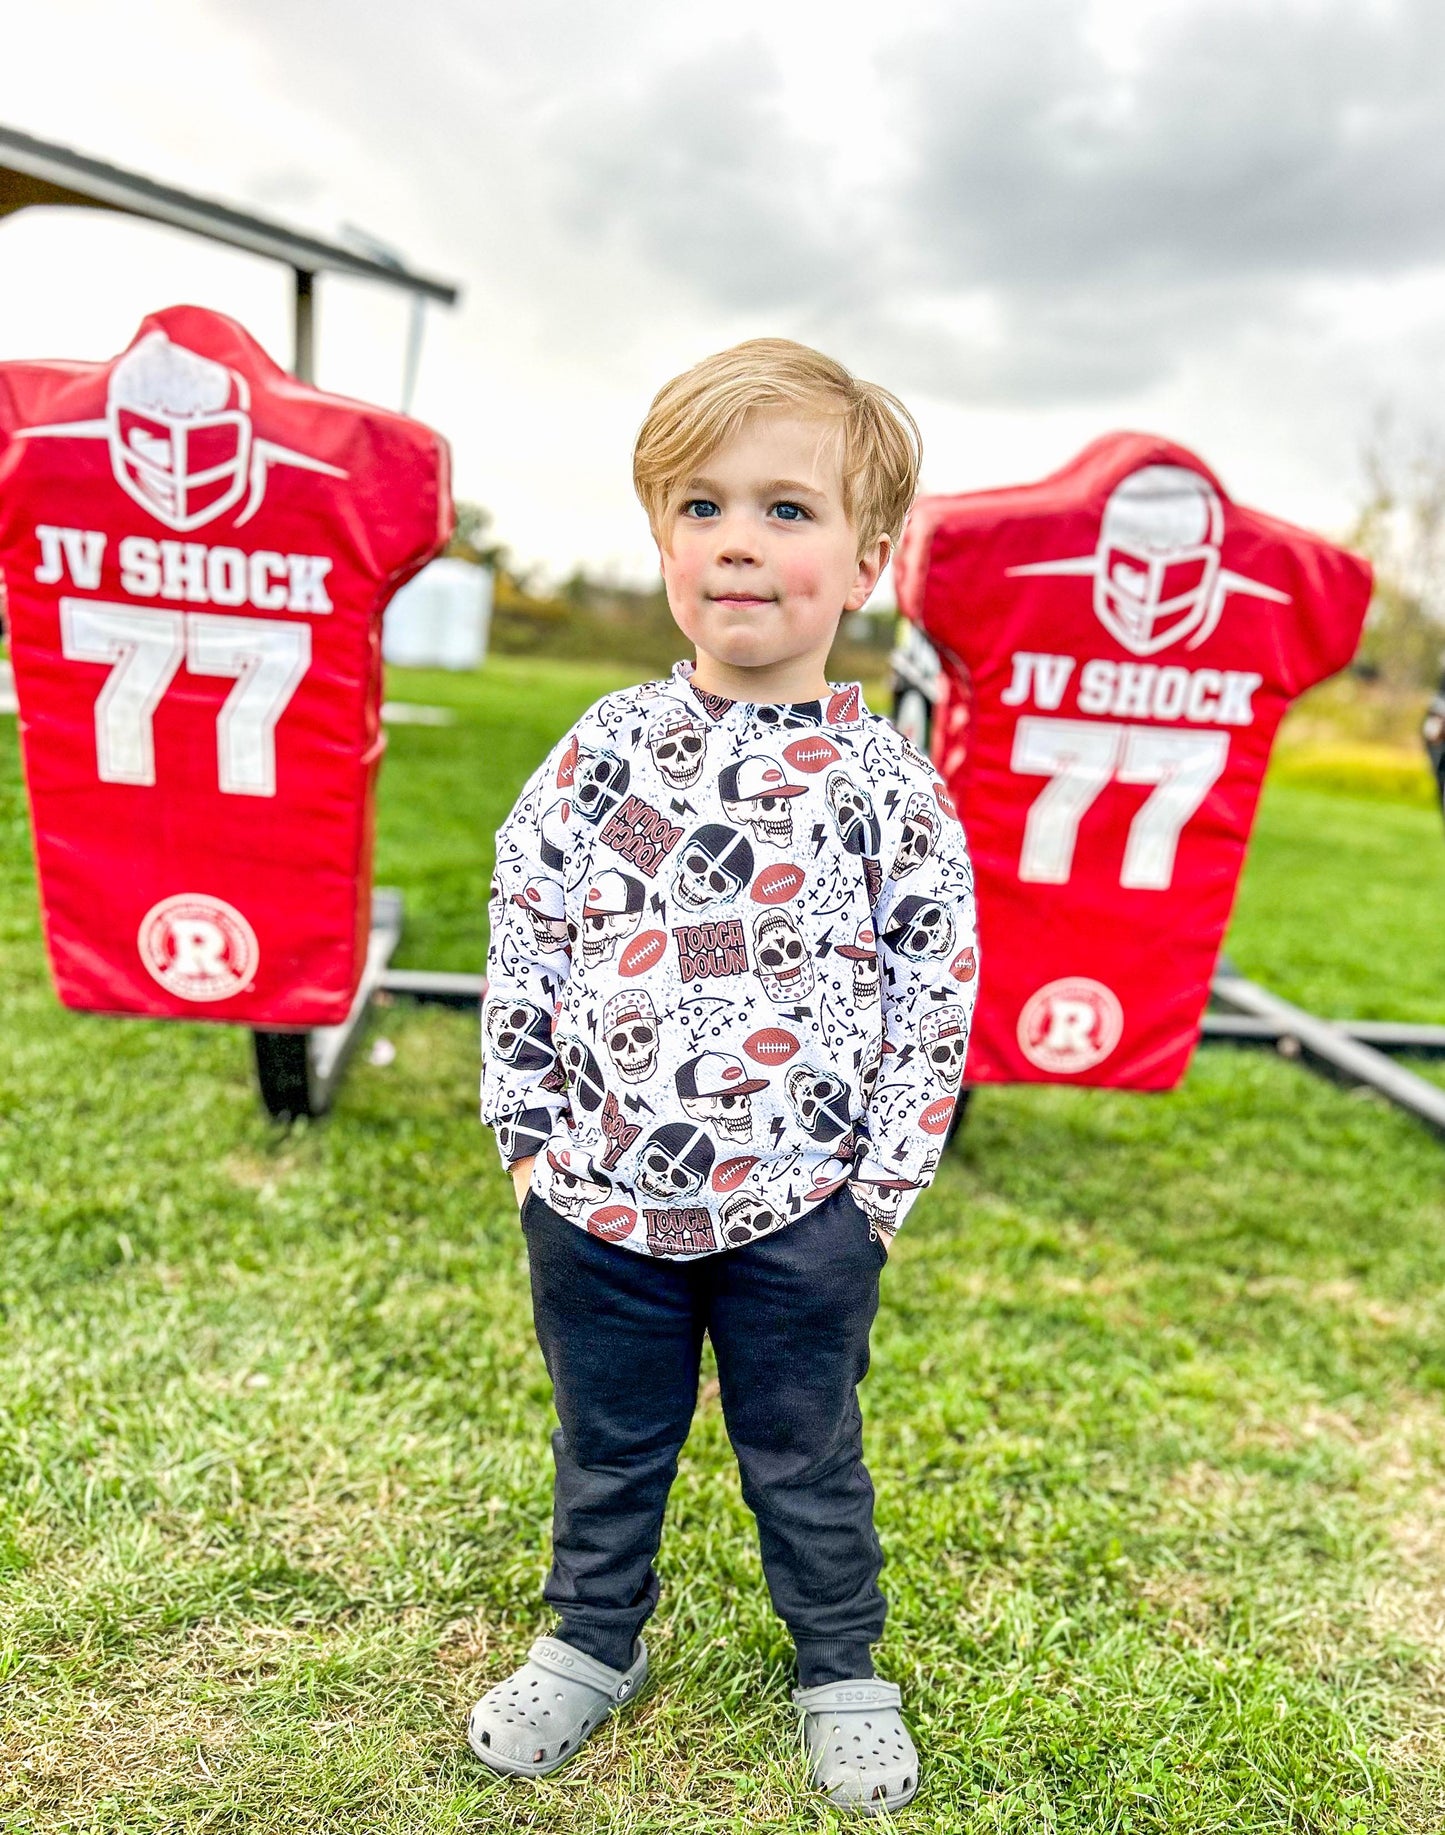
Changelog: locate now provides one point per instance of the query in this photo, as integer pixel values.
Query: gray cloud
(695, 169)
(1112, 216)
(1115, 220)
(1259, 139)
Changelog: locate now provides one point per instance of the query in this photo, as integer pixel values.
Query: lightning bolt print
(686, 995)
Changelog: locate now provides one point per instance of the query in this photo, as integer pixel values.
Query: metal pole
(1331, 1049)
(413, 351)
(305, 364)
(285, 1065)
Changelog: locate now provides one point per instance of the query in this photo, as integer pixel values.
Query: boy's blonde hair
(695, 413)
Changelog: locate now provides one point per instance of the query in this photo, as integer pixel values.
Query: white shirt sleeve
(529, 959)
(927, 940)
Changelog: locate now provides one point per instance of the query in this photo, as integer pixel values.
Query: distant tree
(578, 590)
(1402, 529)
(472, 539)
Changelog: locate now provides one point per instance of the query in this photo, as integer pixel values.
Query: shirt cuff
(523, 1132)
(884, 1201)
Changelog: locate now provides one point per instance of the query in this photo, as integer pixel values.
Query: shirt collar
(842, 706)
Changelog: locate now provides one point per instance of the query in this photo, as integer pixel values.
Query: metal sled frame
(1349, 1051)
(299, 1071)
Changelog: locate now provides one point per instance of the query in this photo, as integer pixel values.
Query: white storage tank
(439, 620)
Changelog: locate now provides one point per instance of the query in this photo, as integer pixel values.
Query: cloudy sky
(1035, 219)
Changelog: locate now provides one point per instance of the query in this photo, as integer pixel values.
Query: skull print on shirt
(731, 968)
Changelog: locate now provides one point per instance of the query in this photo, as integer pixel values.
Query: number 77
(1080, 757)
(145, 646)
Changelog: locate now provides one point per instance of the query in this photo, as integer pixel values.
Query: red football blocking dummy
(1119, 643)
(197, 550)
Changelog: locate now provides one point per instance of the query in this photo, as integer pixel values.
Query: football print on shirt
(764, 908)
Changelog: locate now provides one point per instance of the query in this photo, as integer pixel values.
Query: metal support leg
(1432, 732)
(304, 365)
(1324, 1046)
(960, 1112)
(299, 1071)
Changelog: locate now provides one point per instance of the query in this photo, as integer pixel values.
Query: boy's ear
(871, 563)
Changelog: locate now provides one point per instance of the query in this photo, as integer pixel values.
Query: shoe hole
(486, 1739)
(565, 1744)
(908, 1784)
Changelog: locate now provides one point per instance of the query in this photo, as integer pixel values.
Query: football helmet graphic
(1158, 558)
(179, 428)
(1156, 570)
(182, 444)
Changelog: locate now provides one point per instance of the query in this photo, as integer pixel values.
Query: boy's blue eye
(790, 512)
(700, 506)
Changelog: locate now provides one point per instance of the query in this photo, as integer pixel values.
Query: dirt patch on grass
(1212, 1488)
(258, 1172)
(1192, 1605)
(65, 1755)
(1410, 1603)
(169, 1728)
(1346, 1296)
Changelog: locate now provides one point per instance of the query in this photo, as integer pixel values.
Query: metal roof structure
(38, 172)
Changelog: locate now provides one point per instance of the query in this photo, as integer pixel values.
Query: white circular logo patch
(198, 948)
(1070, 1025)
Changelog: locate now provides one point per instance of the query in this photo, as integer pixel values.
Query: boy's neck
(803, 680)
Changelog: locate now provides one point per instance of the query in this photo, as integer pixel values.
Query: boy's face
(761, 561)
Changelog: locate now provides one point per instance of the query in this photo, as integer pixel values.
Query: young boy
(730, 979)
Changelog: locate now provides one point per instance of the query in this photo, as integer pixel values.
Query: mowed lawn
(1157, 1410)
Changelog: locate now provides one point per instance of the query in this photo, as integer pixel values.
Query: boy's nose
(736, 542)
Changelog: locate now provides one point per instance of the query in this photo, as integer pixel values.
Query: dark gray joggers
(622, 1333)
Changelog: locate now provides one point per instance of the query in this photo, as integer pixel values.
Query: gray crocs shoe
(860, 1750)
(535, 1720)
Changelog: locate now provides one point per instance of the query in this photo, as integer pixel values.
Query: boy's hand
(521, 1172)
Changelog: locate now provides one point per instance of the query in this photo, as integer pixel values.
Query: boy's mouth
(740, 599)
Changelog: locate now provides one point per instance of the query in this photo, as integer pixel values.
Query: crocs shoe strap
(560, 1659)
(835, 1697)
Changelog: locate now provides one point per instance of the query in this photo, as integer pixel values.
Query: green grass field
(1155, 1414)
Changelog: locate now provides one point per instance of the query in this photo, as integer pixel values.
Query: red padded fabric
(197, 550)
(1119, 643)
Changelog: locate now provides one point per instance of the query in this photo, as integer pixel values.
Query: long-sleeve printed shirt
(732, 964)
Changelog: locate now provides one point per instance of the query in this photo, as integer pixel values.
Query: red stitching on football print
(643, 953)
(776, 884)
(730, 1173)
(771, 1046)
(935, 1118)
(814, 753)
(612, 1222)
